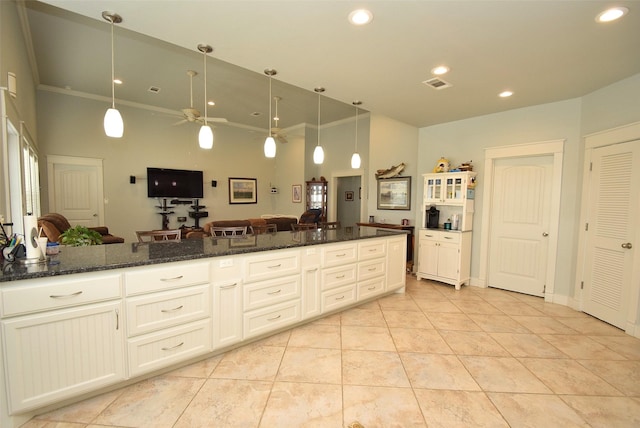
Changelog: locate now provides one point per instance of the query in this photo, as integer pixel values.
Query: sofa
(282, 223)
(53, 224)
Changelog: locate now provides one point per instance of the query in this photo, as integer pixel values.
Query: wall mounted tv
(174, 183)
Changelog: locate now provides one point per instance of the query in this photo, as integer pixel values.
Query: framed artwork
(348, 195)
(394, 193)
(296, 193)
(243, 190)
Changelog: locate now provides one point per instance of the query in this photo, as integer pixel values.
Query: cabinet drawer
(272, 265)
(372, 269)
(372, 249)
(269, 319)
(334, 255)
(33, 296)
(157, 350)
(370, 288)
(439, 235)
(168, 308)
(148, 279)
(335, 277)
(334, 299)
(452, 237)
(269, 292)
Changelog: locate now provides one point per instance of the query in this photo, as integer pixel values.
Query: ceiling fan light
(205, 137)
(113, 124)
(318, 155)
(355, 161)
(270, 147)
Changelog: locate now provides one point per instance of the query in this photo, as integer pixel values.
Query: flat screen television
(174, 183)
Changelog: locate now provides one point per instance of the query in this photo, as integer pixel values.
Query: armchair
(53, 224)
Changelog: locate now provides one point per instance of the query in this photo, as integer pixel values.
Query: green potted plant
(79, 236)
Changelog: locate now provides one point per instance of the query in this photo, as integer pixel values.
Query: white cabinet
(271, 292)
(453, 193)
(168, 314)
(396, 276)
(71, 345)
(311, 298)
(338, 275)
(445, 256)
(227, 313)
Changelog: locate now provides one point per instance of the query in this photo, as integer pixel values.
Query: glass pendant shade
(318, 155)
(355, 161)
(270, 147)
(205, 137)
(113, 124)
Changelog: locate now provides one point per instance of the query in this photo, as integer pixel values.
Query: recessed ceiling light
(360, 17)
(211, 103)
(612, 14)
(439, 70)
(505, 94)
(117, 81)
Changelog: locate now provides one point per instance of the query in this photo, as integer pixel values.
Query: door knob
(545, 234)
(95, 215)
(628, 246)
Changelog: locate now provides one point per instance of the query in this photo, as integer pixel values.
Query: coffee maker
(433, 217)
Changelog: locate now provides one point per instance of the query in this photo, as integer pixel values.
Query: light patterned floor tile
(406, 318)
(622, 375)
(527, 345)
(433, 371)
(367, 338)
(226, 403)
(536, 410)
(363, 317)
(446, 409)
(303, 405)
(493, 323)
(85, 411)
(364, 368)
(452, 321)
(156, 402)
(503, 374)
(419, 340)
(316, 335)
(311, 365)
(250, 362)
(473, 343)
(607, 412)
(375, 406)
(579, 346)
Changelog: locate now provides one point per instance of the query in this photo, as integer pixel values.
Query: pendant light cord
(356, 129)
(269, 127)
(113, 72)
(318, 118)
(206, 114)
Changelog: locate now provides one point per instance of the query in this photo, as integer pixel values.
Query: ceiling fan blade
(180, 122)
(281, 139)
(215, 119)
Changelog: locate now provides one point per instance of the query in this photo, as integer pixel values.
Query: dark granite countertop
(72, 260)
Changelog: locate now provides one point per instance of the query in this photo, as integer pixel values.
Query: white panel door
(520, 215)
(75, 189)
(613, 224)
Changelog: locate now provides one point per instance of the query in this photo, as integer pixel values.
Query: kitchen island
(93, 318)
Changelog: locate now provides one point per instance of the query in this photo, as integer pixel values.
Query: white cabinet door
(227, 313)
(448, 260)
(396, 272)
(311, 303)
(59, 354)
(428, 258)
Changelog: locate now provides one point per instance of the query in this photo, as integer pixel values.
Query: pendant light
(318, 153)
(113, 124)
(270, 142)
(355, 159)
(205, 137)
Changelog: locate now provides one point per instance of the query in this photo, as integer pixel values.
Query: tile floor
(432, 357)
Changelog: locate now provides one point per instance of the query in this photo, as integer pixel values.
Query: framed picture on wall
(394, 193)
(296, 193)
(243, 190)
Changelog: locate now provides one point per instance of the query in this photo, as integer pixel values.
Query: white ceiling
(544, 51)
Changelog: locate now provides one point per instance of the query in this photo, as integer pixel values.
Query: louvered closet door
(613, 224)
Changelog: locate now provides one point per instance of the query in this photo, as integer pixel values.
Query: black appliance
(433, 217)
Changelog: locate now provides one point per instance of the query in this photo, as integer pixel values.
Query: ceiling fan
(191, 114)
(279, 134)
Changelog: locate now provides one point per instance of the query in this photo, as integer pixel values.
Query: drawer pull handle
(341, 255)
(172, 310)
(372, 269)
(448, 237)
(117, 319)
(175, 278)
(372, 250)
(275, 292)
(228, 286)
(339, 276)
(371, 288)
(340, 298)
(171, 348)
(275, 266)
(274, 318)
(65, 296)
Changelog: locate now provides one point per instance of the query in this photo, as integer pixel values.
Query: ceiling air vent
(154, 89)
(437, 83)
